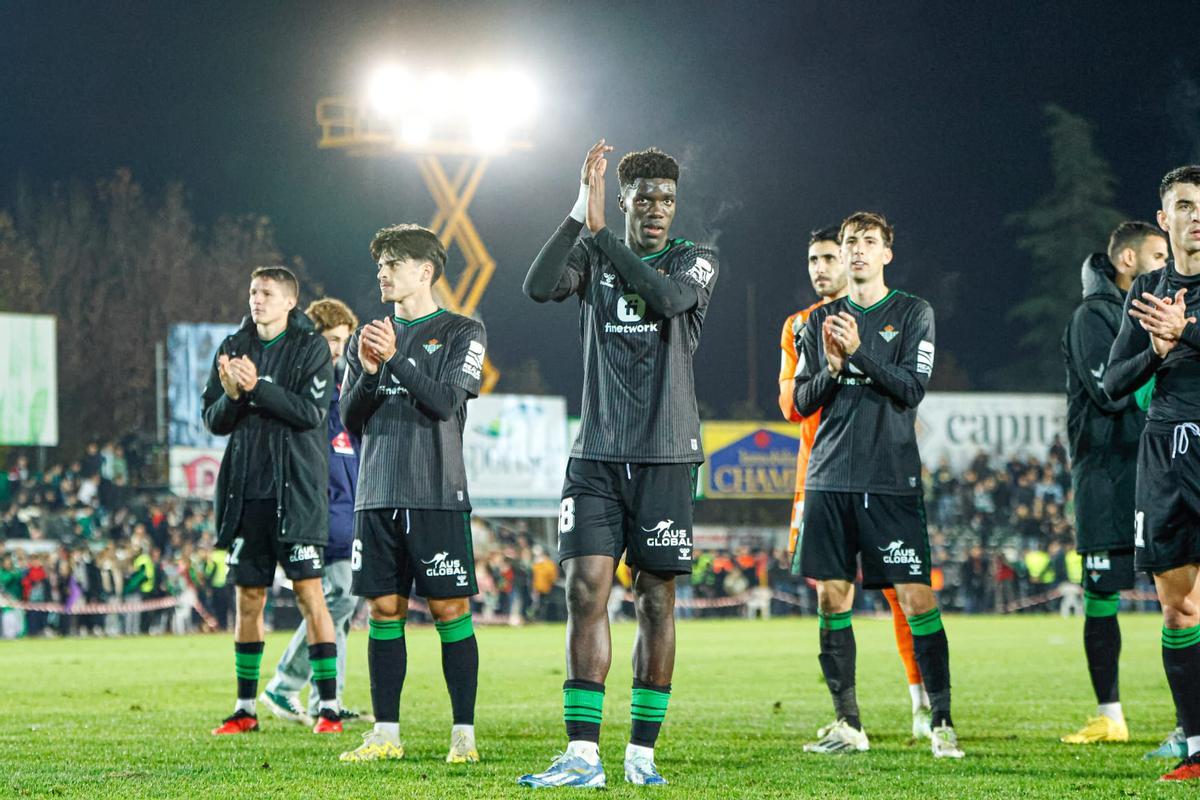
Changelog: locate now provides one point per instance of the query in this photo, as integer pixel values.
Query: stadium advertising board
(515, 449)
(957, 425)
(195, 454)
(29, 391)
(749, 460)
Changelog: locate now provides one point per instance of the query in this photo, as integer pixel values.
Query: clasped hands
(376, 344)
(1164, 318)
(839, 333)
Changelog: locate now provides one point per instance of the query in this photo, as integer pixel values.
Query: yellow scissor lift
(347, 125)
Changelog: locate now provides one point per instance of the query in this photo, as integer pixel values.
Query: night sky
(785, 117)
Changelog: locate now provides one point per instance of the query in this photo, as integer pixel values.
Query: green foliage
(117, 266)
(103, 718)
(1063, 228)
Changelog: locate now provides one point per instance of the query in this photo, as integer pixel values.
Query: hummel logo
(889, 333)
(1098, 372)
(608, 280)
(684, 552)
(320, 384)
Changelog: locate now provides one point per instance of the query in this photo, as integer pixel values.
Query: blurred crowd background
(77, 535)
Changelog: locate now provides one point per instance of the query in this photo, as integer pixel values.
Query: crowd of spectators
(1000, 531)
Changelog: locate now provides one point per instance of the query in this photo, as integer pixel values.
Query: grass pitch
(130, 718)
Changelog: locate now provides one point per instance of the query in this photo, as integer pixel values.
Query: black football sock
(247, 658)
(460, 666)
(648, 709)
(1181, 660)
(932, 650)
(583, 710)
(1102, 644)
(838, 657)
(387, 661)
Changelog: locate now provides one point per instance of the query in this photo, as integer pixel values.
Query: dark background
(785, 117)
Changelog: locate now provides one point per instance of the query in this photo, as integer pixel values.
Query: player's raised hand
(595, 202)
(598, 151)
(366, 355)
(845, 330)
(228, 382)
(381, 337)
(833, 349)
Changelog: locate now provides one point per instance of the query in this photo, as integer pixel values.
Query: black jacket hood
(1099, 277)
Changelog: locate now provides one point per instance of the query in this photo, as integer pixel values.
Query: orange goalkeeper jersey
(788, 339)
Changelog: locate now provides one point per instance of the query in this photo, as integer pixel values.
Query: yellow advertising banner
(749, 460)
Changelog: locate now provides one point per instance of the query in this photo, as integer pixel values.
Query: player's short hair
(281, 275)
(1189, 173)
(1130, 233)
(865, 221)
(648, 163)
(829, 233)
(406, 241)
(328, 313)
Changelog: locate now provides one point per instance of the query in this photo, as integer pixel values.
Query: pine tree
(1061, 230)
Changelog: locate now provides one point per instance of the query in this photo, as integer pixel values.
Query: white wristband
(579, 212)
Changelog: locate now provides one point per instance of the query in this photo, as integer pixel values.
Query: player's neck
(415, 306)
(866, 295)
(1189, 264)
(829, 298)
(270, 330)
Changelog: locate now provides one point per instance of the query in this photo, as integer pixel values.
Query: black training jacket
(1102, 433)
(296, 404)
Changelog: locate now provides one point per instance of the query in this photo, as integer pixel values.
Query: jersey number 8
(566, 515)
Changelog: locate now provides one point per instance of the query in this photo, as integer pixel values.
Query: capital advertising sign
(749, 460)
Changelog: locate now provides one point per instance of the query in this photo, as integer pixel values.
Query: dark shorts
(1108, 571)
(1166, 522)
(397, 547)
(256, 549)
(641, 511)
(888, 531)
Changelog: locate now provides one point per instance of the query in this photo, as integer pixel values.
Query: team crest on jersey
(889, 333)
(432, 346)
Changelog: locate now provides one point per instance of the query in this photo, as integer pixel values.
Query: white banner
(515, 449)
(194, 471)
(29, 388)
(957, 425)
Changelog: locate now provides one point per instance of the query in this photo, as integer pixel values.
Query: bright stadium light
(387, 89)
(484, 111)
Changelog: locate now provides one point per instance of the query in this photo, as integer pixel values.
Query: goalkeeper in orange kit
(828, 276)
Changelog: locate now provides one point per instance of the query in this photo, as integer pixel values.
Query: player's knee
(834, 597)
(655, 604)
(915, 598)
(447, 610)
(586, 594)
(1180, 612)
(390, 607)
(251, 600)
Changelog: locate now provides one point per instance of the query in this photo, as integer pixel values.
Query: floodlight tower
(468, 119)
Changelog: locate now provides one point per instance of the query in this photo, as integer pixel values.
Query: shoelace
(1179, 445)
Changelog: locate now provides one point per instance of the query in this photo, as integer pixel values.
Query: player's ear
(887, 255)
(1161, 216)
